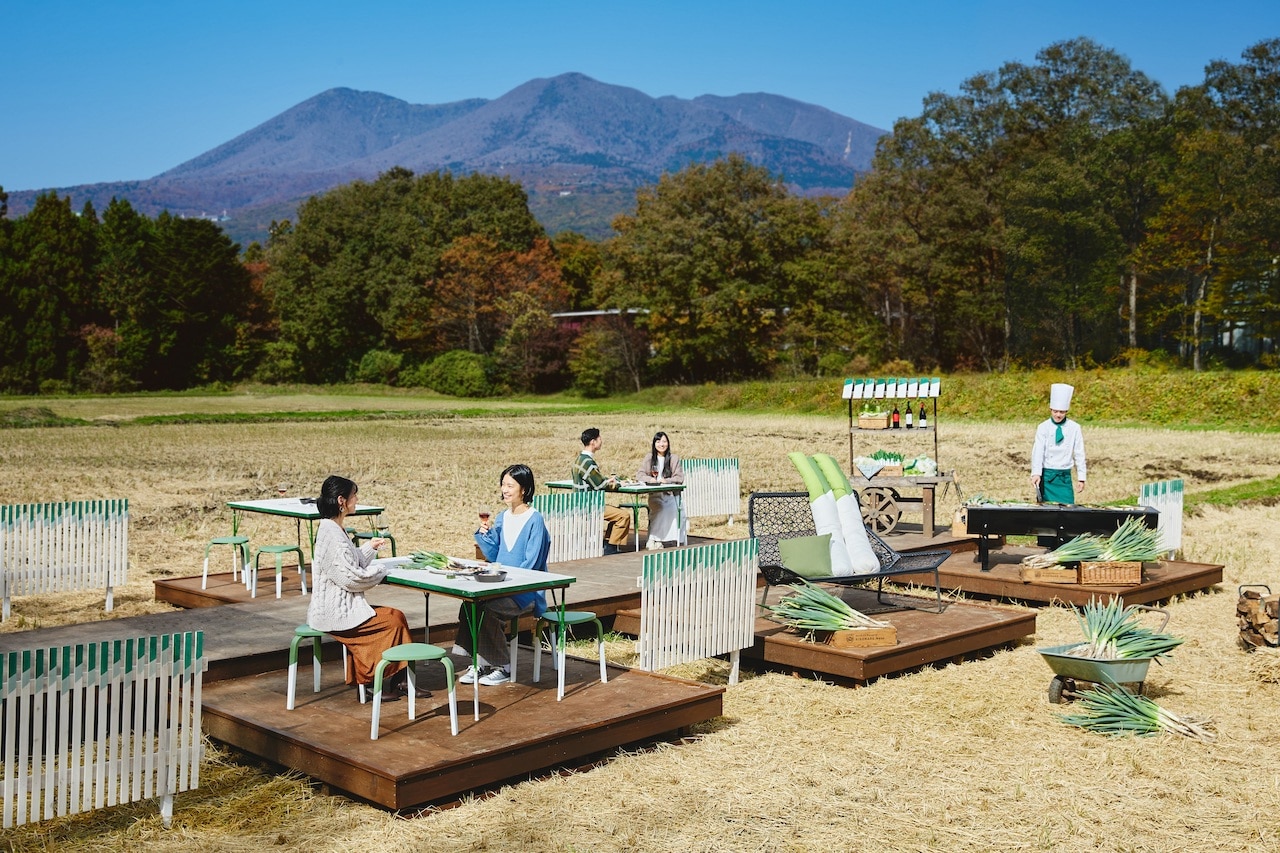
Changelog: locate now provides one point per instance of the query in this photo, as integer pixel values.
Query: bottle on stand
(908, 423)
(896, 422)
(924, 421)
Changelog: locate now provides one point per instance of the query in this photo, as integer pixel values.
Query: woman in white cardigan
(341, 573)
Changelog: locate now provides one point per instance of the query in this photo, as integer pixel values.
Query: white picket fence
(711, 487)
(63, 547)
(575, 521)
(1165, 496)
(100, 724)
(697, 603)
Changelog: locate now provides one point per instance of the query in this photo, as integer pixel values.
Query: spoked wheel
(880, 508)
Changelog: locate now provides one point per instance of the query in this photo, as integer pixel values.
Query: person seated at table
(517, 538)
(340, 574)
(587, 475)
(661, 465)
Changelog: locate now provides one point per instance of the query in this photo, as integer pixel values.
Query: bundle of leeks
(810, 608)
(1133, 541)
(1112, 632)
(1112, 710)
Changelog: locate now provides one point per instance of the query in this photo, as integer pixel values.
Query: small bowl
(491, 576)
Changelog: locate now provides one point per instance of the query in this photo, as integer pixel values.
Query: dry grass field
(962, 757)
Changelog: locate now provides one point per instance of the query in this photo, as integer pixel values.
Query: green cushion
(807, 556)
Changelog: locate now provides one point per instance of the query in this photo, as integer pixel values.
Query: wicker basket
(1111, 573)
(873, 421)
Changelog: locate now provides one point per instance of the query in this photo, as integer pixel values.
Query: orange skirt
(367, 641)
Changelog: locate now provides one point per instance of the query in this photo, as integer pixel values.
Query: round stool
(561, 622)
(411, 653)
(239, 555)
(279, 551)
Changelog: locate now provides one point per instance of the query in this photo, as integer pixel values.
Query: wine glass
(653, 474)
(282, 488)
(484, 514)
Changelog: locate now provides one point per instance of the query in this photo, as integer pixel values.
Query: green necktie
(1057, 436)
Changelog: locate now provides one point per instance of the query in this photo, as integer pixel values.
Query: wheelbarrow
(1071, 670)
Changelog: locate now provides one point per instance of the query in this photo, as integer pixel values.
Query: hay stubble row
(961, 757)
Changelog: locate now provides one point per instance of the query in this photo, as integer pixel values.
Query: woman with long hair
(662, 465)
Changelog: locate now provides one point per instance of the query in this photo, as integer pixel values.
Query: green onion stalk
(810, 608)
(1133, 541)
(1086, 546)
(1112, 632)
(427, 560)
(1112, 710)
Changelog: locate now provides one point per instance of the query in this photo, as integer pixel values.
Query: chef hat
(1060, 396)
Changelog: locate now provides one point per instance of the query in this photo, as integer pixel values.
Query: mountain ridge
(558, 136)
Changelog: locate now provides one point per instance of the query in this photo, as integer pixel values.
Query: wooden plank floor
(963, 572)
(522, 728)
(923, 637)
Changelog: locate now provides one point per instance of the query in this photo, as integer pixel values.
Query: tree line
(1066, 212)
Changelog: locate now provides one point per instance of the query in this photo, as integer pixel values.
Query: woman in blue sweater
(519, 538)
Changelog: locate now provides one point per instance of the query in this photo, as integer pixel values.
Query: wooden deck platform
(963, 572)
(522, 728)
(924, 637)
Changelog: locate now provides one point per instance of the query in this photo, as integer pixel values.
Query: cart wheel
(880, 508)
(1056, 687)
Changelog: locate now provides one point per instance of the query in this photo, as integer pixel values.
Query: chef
(1059, 443)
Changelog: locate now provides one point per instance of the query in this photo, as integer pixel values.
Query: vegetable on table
(427, 560)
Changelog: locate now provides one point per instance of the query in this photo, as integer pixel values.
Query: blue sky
(107, 91)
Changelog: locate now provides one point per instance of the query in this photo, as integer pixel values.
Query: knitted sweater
(340, 573)
(530, 551)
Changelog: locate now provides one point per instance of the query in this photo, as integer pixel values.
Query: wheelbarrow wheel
(1057, 687)
(880, 508)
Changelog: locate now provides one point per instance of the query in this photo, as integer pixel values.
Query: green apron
(1056, 486)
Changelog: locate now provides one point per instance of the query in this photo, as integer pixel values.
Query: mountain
(580, 148)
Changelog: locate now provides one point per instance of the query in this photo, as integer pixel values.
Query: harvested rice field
(964, 757)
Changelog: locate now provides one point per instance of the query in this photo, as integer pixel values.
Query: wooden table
(626, 488)
(472, 592)
(298, 509)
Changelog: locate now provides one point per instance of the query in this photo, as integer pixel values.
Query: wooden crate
(890, 471)
(1029, 575)
(1111, 573)
(873, 421)
(861, 638)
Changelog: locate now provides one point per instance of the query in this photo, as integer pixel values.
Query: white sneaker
(468, 676)
(495, 676)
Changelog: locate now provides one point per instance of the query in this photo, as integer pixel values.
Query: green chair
(411, 653)
(239, 556)
(306, 632)
(561, 622)
(278, 551)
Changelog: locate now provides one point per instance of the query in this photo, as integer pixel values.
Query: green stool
(411, 653)
(635, 506)
(561, 622)
(279, 551)
(306, 632)
(239, 554)
(357, 535)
